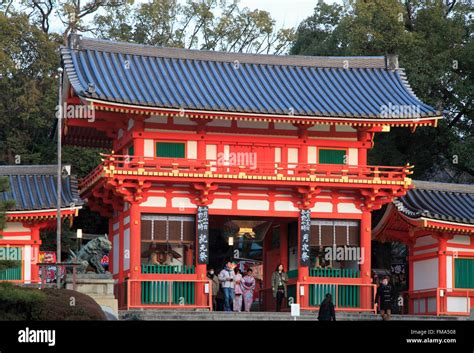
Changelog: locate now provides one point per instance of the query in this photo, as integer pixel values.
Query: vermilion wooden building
(32, 190)
(436, 222)
(258, 158)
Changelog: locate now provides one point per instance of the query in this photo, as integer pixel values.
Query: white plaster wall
(277, 154)
(345, 128)
(353, 156)
(126, 249)
(449, 271)
(192, 150)
(181, 120)
(322, 207)
(182, 202)
(220, 123)
(14, 227)
(157, 119)
(149, 148)
(460, 239)
(222, 204)
(211, 152)
(320, 127)
(426, 240)
(425, 274)
(457, 304)
(256, 205)
(347, 208)
(284, 126)
(312, 154)
(126, 220)
(27, 262)
(115, 263)
(285, 206)
(154, 201)
(252, 124)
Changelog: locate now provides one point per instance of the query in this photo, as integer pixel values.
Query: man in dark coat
(385, 296)
(326, 309)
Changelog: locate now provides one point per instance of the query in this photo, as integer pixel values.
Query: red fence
(209, 168)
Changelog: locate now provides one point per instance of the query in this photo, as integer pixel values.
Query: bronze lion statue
(91, 255)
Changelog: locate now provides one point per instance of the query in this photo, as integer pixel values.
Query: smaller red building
(33, 190)
(436, 221)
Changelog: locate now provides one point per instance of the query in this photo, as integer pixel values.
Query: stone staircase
(190, 315)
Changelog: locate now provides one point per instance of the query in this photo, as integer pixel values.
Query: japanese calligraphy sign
(202, 235)
(305, 228)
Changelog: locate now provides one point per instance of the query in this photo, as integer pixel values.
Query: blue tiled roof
(441, 201)
(33, 187)
(344, 87)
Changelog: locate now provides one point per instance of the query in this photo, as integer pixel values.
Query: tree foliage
(434, 42)
(206, 24)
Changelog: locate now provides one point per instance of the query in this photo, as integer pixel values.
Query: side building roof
(439, 201)
(33, 187)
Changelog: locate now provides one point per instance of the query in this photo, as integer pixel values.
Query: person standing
(279, 281)
(237, 290)
(326, 309)
(248, 287)
(385, 296)
(226, 277)
(215, 287)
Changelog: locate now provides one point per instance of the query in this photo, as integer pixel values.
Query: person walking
(226, 277)
(279, 281)
(385, 296)
(215, 287)
(248, 287)
(326, 309)
(237, 290)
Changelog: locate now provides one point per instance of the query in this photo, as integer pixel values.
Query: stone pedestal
(98, 286)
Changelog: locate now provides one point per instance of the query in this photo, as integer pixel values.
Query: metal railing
(342, 294)
(169, 294)
(419, 300)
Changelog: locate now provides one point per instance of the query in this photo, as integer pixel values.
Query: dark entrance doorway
(259, 243)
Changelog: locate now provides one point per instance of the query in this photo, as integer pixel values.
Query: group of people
(237, 289)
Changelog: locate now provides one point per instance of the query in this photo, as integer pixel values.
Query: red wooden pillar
(442, 241)
(411, 282)
(284, 244)
(135, 252)
(35, 237)
(365, 266)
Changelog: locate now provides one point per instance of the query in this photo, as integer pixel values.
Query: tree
(434, 43)
(4, 205)
(207, 24)
(28, 62)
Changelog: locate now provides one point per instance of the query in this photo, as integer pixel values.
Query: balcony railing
(190, 168)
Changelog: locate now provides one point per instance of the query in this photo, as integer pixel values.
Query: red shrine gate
(179, 122)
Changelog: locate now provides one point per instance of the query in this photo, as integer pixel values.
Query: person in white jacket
(227, 279)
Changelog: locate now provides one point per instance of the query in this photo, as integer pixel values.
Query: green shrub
(17, 303)
(20, 303)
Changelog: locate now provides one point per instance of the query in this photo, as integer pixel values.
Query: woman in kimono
(248, 286)
(237, 290)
